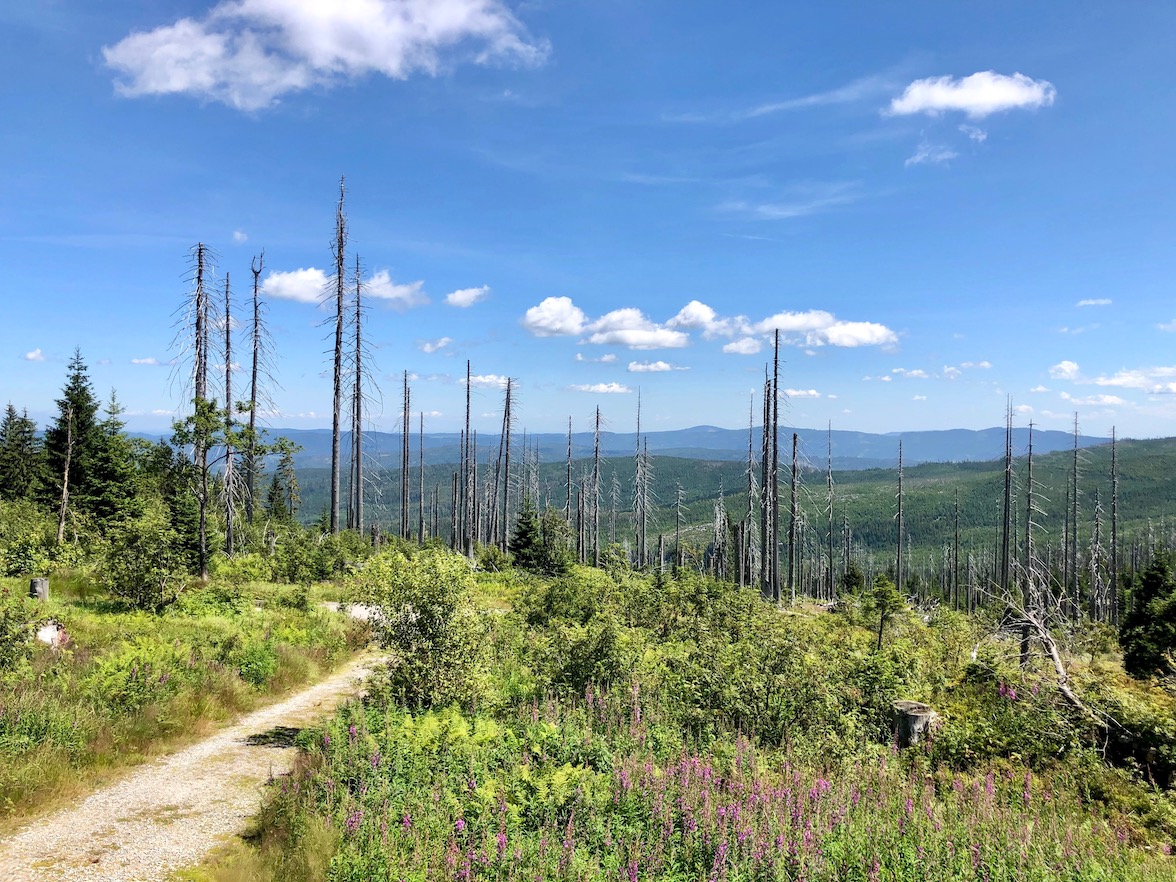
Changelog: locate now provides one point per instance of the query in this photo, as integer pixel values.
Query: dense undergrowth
(130, 683)
(615, 725)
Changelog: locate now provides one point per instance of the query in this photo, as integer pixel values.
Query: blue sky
(938, 206)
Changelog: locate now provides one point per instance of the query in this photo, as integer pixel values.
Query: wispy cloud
(240, 237)
(977, 96)
(601, 388)
(799, 200)
(974, 133)
(148, 362)
(607, 358)
(1093, 400)
(1094, 301)
(249, 53)
(861, 89)
(930, 154)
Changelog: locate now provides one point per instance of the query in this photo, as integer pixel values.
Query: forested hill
(864, 497)
(851, 450)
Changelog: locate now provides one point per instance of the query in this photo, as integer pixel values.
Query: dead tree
(230, 475)
(793, 512)
(260, 346)
(63, 508)
(1007, 516)
(898, 561)
(340, 256)
(1114, 531)
(775, 562)
(596, 491)
(405, 461)
(421, 482)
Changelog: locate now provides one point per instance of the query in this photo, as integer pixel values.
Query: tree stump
(913, 722)
(39, 589)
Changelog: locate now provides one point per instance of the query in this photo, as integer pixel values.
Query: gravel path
(169, 813)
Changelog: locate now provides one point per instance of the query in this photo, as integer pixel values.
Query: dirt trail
(167, 814)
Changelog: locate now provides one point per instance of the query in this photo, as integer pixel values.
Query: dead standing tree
(339, 283)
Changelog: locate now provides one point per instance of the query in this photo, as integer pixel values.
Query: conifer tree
(21, 456)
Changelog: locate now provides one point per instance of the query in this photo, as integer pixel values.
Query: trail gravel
(169, 813)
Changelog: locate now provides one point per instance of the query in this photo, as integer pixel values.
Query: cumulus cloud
(398, 296)
(629, 327)
(653, 367)
(743, 346)
(951, 373)
(249, 53)
(1155, 380)
(601, 388)
(302, 285)
(486, 381)
(916, 374)
(1064, 370)
(981, 365)
(930, 154)
(35, 355)
(466, 297)
(1039, 388)
(802, 393)
(555, 316)
(1094, 400)
(977, 96)
(1024, 409)
(431, 346)
(1095, 301)
(240, 237)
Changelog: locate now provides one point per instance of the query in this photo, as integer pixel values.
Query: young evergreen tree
(71, 440)
(21, 456)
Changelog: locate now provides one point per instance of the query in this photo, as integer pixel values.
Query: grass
(129, 686)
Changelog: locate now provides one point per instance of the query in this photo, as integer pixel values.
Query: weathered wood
(39, 589)
(913, 722)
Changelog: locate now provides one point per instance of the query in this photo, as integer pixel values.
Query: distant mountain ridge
(851, 450)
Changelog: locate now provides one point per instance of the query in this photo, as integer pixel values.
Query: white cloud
(629, 327)
(35, 355)
(149, 362)
(399, 296)
(982, 365)
(1023, 409)
(1167, 326)
(1095, 301)
(852, 334)
(486, 381)
(601, 388)
(802, 393)
(919, 398)
(653, 367)
(1064, 370)
(607, 358)
(553, 317)
(885, 378)
(248, 53)
(431, 346)
(432, 414)
(159, 411)
(917, 374)
(799, 201)
(302, 285)
(978, 95)
(1094, 400)
(240, 237)
(1039, 388)
(951, 373)
(1155, 380)
(466, 297)
(976, 134)
(743, 346)
(930, 154)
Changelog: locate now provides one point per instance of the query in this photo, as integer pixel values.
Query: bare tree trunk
(677, 527)
(467, 538)
(421, 483)
(405, 462)
(357, 396)
(63, 508)
(1114, 530)
(337, 412)
(792, 514)
(251, 452)
(229, 474)
(508, 419)
(1027, 575)
(568, 503)
(1007, 518)
(765, 491)
(829, 479)
(898, 562)
(955, 556)
(596, 491)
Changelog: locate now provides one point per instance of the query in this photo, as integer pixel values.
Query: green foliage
(885, 601)
(428, 620)
(22, 462)
(16, 621)
(143, 564)
(1148, 632)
